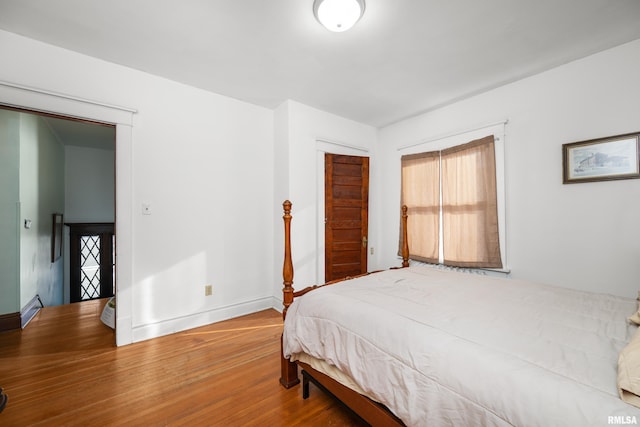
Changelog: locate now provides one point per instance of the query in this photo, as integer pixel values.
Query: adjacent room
(174, 175)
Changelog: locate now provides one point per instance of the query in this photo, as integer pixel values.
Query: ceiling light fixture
(338, 15)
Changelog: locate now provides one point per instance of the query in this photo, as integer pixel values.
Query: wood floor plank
(64, 369)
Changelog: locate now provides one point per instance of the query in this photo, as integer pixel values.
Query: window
(452, 201)
(92, 261)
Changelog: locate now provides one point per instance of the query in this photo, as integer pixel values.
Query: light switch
(146, 209)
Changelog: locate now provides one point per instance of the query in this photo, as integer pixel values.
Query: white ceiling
(403, 58)
(82, 134)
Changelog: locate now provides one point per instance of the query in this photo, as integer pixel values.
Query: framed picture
(56, 237)
(614, 157)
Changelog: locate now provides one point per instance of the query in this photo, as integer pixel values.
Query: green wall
(9, 211)
(41, 195)
(31, 187)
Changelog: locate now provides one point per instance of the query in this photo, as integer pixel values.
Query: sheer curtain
(469, 205)
(421, 195)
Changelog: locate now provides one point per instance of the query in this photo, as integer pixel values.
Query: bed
(424, 346)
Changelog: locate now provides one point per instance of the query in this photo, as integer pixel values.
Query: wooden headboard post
(288, 369)
(405, 241)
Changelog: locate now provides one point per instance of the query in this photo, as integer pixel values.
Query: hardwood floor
(64, 369)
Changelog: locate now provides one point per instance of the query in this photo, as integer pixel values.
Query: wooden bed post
(405, 241)
(288, 369)
(287, 267)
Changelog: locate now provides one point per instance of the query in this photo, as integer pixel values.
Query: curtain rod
(456, 133)
(64, 96)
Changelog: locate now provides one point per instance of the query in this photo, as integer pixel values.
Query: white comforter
(442, 348)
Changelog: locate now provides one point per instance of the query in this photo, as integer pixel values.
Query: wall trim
(337, 147)
(65, 96)
(30, 310)
(454, 133)
(154, 330)
(9, 321)
(276, 304)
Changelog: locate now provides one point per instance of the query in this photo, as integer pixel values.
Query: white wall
(583, 236)
(303, 135)
(203, 162)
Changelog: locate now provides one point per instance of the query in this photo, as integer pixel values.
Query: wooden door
(346, 180)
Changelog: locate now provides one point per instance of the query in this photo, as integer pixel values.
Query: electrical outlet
(208, 290)
(371, 250)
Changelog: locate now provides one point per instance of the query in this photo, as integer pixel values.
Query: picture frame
(603, 159)
(56, 237)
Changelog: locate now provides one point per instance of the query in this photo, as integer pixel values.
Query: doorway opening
(65, 166)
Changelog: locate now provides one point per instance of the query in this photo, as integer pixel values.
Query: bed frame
(370, 411)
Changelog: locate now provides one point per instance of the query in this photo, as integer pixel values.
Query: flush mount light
(338, 15)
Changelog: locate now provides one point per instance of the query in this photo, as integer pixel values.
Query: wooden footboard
(372, 412)
(361, 405)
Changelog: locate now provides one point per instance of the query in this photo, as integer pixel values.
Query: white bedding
(461, 349)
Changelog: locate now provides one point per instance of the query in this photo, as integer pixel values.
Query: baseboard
(30, 310)
(9, 321)
(149, 331)
(276, 304)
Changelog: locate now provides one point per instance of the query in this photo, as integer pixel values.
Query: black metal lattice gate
(91, 250)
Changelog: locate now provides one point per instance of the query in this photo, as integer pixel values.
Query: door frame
(43, 101)
(325, 146)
